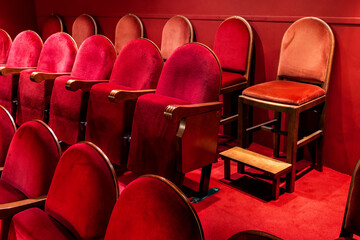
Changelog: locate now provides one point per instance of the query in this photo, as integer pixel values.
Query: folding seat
(175, 129)
(83, 27)
(24, 54)
(152, 207)
(233, 46)
(253, 235)
(7, 131)
(135, 72)
(52, 24)
(56, 58)
(94, 61)
(177, 31)
(81, 197)
(29, 167)
(301, 85)
(128, 28)
(351, 223)
(5, 45)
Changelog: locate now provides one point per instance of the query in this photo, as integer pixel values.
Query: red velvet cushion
(51, 25)
(83, 192)
(230, 78)
(128, 28)
(94, 60)
(287, 92)
(31, 160)
(8, 193)
(83, 27)
(34, 223)
(108, 123)
(191, 74)
(305, 50)
(7, 130)
(176, 32)
(57, 55)
(5, 44)
(151, 208)
(231, 44)
(153, 138)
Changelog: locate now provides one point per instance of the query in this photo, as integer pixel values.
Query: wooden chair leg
(205, 180)
(227, 169)
(293, 127)
(276, 188)
(276, 136)
(243, 122)
(240, 168)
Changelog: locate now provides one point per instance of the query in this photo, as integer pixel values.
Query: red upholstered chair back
(5, 44)
(95, 59)
(176, 32)
(128, 28)
(58, 53)
(83, 27)
(351, 224)
(306, 52)
(32, 158)
(51, 25)
(25, 50)
(83, 191)
(192, 73)
(138, 65)
(7, 130)
(232, 43)
(152, 207)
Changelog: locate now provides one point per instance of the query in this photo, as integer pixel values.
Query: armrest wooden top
(177, 112)
(118, 96)
(84, 85)
(10, 209)
(5, 71)
(41, 76)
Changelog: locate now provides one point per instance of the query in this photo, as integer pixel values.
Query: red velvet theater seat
(175, 129)
(136, 70)
(300, 88)
(5, 44)
(83, 27)
(152, 207)
(24, 53)
(29, 167)
(56, 58)
(233, 46)
(81, 197)
(253, 235)
(177, 31)
(128, 28)
(7, 130)
(51, 25)
(94, 61)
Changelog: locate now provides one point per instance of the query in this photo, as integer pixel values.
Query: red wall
(269, 20)
(17, 16)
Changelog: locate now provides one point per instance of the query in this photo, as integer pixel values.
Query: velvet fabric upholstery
(128, 28)
(94, 61)
(176, 32)
(57, 56)
(24, 52)
(305, 50)
(7, 130)
(51, 25)
(5, 44)
(137, 67)
(288, 92)
(253, 235)
(153, 208)
(231, 78)
(83, 27)
(81, 197)
(231, 44)
(191, 75)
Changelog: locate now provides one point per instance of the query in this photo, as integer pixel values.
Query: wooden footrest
(274, 168)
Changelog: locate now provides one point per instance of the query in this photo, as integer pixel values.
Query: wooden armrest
(5, 71)
(84, 85)
(10, 209)
(41, 76)
(118, 96)
(177, 112)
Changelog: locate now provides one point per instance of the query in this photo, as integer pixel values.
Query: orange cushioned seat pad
(230, 78)
(287, 92)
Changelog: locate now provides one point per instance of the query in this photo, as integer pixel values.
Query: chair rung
(258, 127)
(229, 119)
(273, 130)
(309, 138)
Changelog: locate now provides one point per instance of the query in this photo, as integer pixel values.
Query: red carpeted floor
(314, 211)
